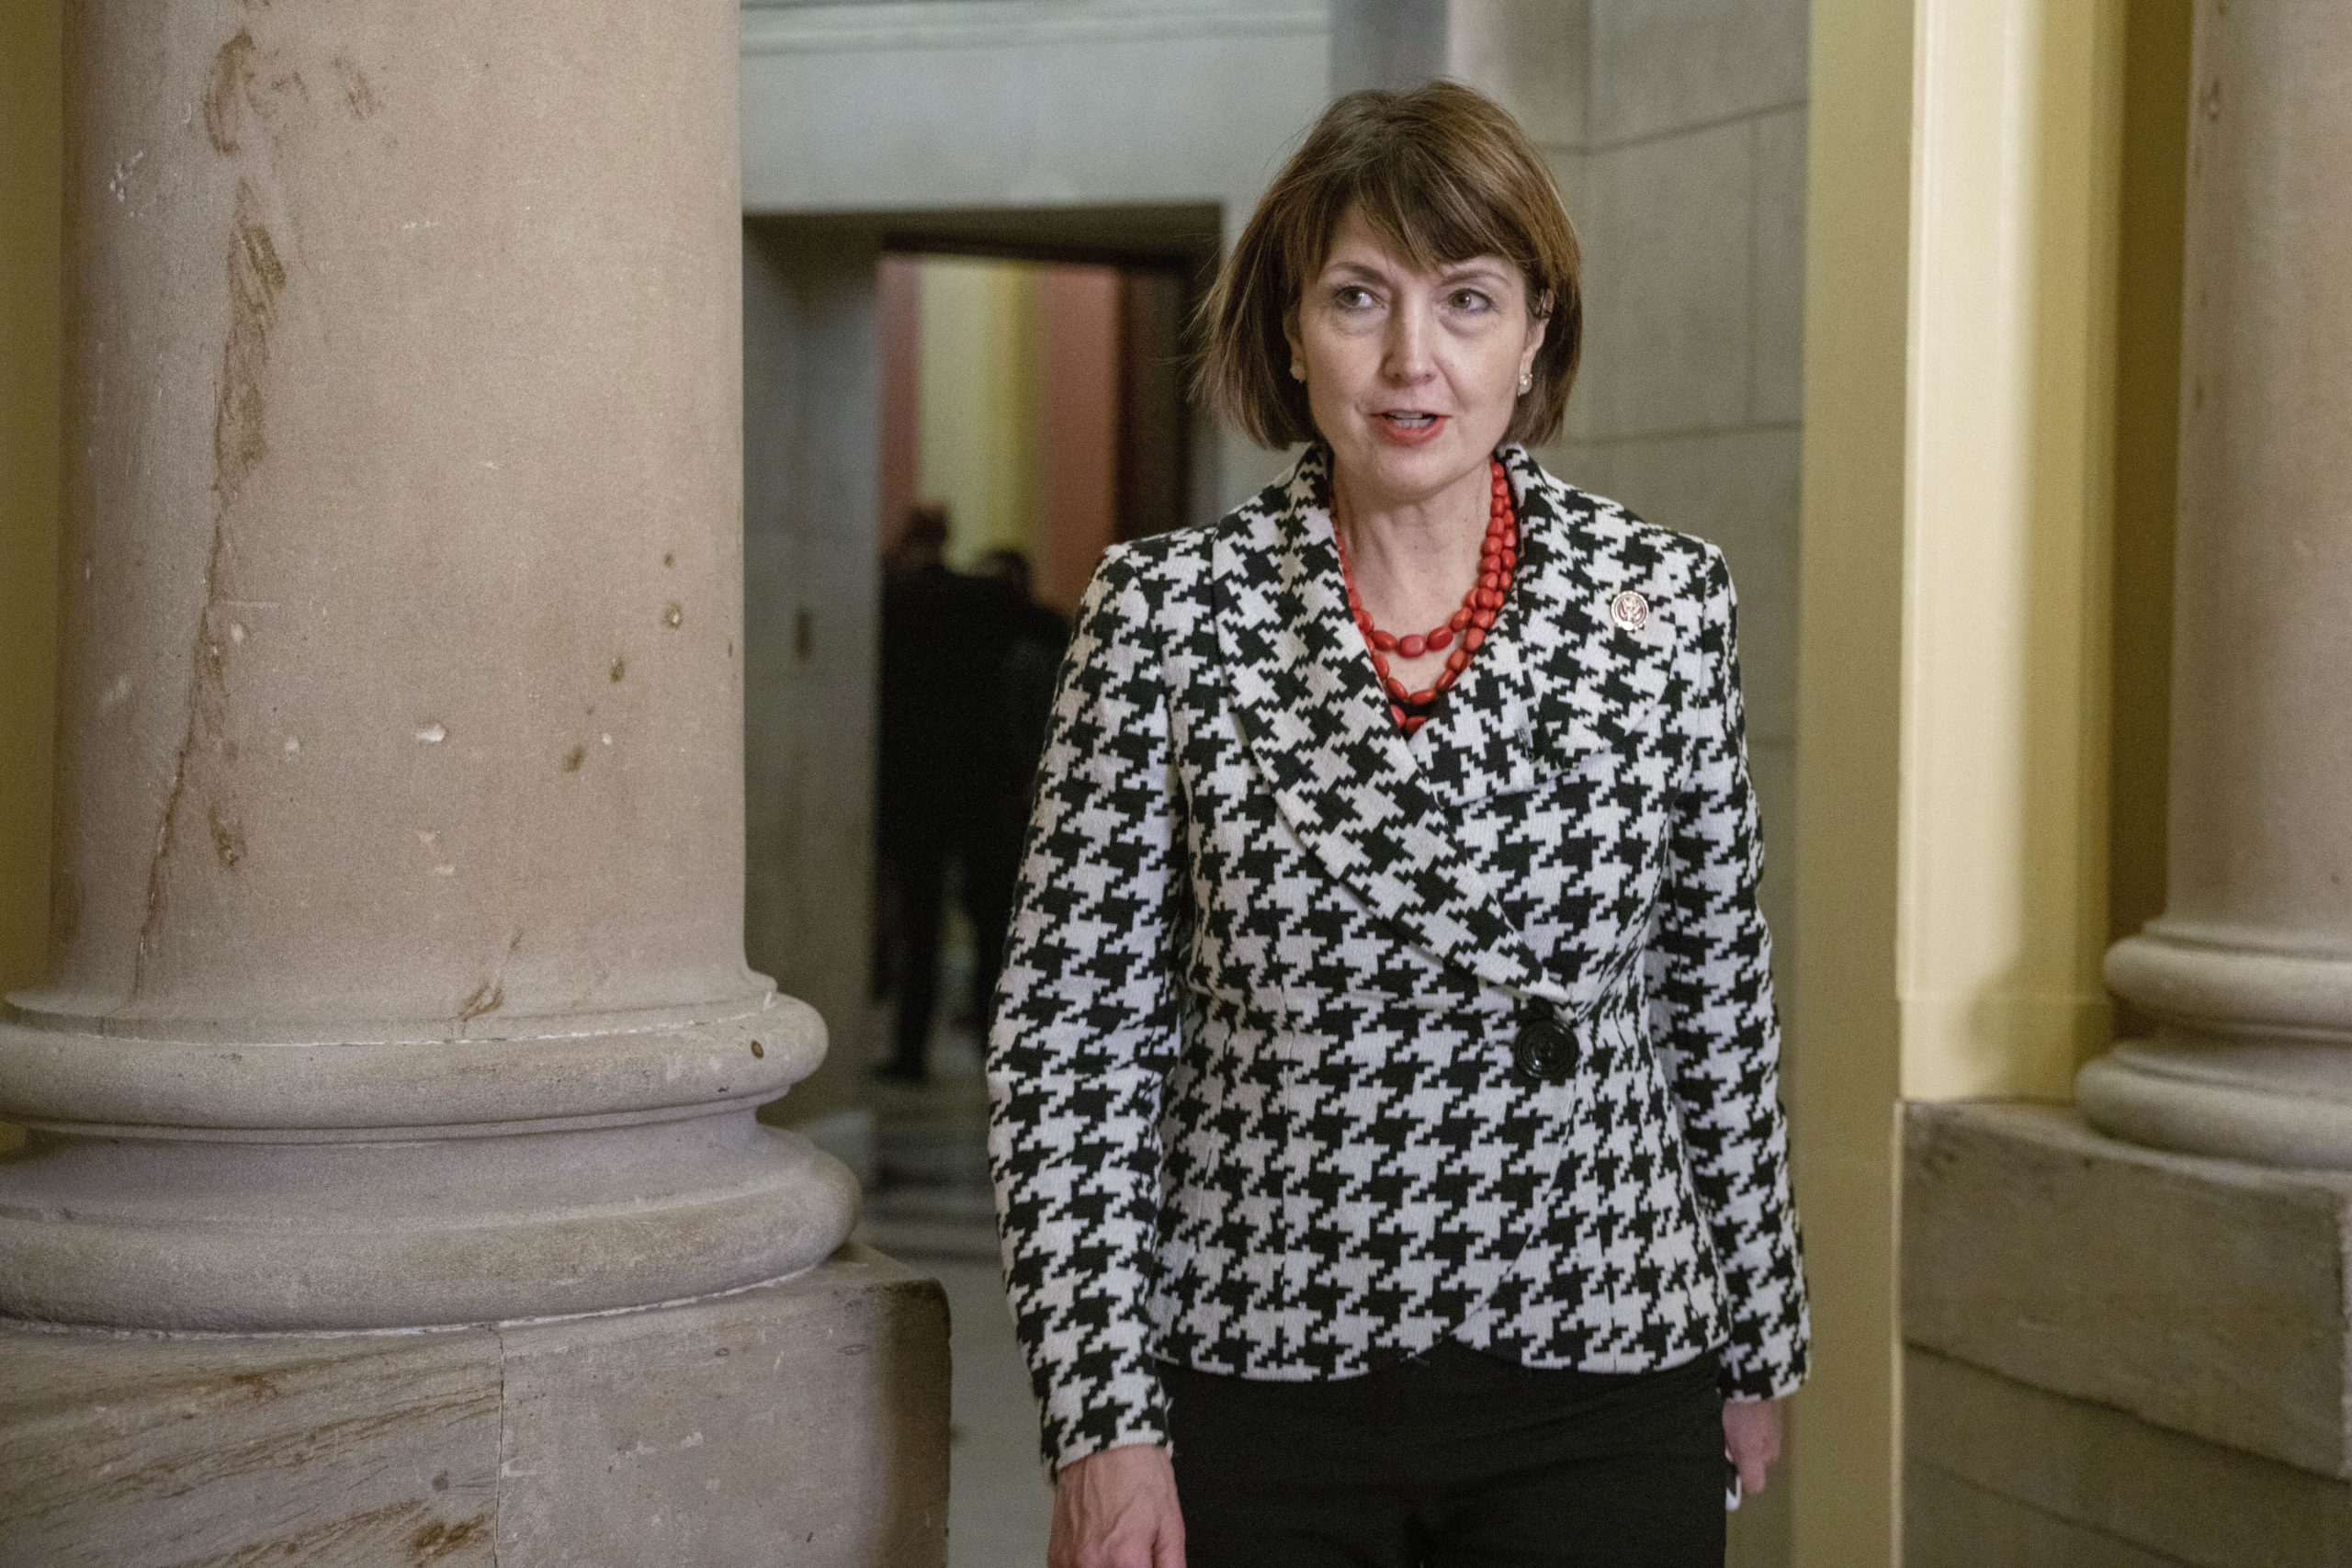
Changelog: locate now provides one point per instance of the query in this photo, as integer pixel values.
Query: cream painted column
(2249, 970)
(397, 969)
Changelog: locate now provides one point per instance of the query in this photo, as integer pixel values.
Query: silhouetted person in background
(954, 649)
(1020, 707)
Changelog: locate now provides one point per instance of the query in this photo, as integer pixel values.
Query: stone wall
(811, 587)
(2116, 1356)
(1681, 151)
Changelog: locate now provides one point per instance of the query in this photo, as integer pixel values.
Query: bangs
(1422, 213)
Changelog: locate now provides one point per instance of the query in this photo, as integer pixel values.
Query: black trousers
(1455, 1457)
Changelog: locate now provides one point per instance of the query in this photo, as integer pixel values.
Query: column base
(804, 1421)
(241, 1186)
(2253, 1054)
(238, 1236)
(2268, 1104)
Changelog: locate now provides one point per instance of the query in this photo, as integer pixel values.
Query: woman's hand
(1117, 1509)
(1752, 1438)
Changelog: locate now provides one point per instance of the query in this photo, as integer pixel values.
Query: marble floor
(930, 1206)
(999, 1503)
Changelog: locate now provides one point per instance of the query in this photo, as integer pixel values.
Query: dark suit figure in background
(1019, 709)
(952, 734)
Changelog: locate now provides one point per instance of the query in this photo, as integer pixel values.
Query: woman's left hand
(1752, 1438)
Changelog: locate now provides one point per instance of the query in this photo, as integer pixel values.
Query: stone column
(398, 969)
(2249, 971)
(398, 972)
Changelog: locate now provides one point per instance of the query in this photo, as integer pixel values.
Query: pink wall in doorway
(1077, 389)
(899, 304)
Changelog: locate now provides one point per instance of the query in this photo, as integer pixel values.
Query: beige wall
(1843, 1082)
(1959, 540)
(978, 407)
(1077, 430)
(30, 201)
(2003, 922)
(1017, 400)
(897, 310)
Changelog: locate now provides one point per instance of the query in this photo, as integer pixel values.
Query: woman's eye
(1469, 299)
(1352, 298)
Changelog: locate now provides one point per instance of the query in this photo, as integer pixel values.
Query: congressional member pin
(1630, 611)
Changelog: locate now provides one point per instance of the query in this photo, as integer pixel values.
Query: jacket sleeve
(1085, 1032)
(1712, 1013)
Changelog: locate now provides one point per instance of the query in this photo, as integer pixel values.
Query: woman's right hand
(1117, 1509)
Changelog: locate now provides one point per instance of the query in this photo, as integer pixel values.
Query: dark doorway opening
(1068, 404)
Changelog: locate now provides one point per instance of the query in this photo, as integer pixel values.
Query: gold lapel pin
(1630, 611)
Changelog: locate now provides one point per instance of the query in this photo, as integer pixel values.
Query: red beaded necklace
(1496, 557)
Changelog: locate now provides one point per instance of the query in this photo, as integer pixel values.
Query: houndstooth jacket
(1261, 1102)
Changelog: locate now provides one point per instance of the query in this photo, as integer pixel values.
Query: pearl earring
(1298, 371)
(1526, 382)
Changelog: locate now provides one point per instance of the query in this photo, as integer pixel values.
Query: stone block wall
(1679, 138)
(2119, 1357)
(801, 1421)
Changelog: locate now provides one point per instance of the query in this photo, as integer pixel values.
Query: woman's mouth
(1409, 426)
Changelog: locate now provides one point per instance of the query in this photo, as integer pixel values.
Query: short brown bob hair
(1442, 174)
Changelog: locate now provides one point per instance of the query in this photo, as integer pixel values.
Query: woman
(1384, 1121)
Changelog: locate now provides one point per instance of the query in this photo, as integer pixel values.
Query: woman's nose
(1407, 359)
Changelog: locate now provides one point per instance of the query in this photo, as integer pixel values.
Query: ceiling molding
(797, 26)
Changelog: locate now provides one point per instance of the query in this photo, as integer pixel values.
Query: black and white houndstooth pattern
(1253, 1101)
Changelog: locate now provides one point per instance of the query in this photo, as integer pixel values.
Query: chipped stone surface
(803, 1424)
(367, 403)
(136, 1451)
(802, 1421)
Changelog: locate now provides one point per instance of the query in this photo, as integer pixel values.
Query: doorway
(1031, 414)
(1024, 373)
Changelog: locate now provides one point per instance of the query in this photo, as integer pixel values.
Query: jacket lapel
(1586, 679)
(1312, 712)
(1558, 678)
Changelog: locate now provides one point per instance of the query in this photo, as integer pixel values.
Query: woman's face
(1411, 375)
